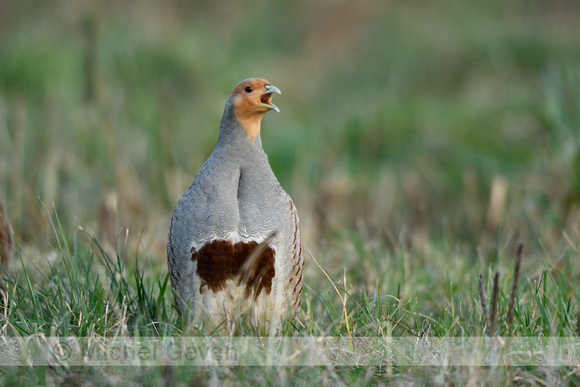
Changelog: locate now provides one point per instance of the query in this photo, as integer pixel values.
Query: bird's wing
(294, 287)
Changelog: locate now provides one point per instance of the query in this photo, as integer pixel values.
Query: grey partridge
(234, 245)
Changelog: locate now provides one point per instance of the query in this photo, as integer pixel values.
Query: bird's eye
(248, 89)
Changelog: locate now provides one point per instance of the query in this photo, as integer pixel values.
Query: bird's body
(234, 239)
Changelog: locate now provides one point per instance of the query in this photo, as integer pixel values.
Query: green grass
(420, 143)
(86, 292)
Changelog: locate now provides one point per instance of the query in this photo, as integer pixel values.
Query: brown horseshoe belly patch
(220, 261)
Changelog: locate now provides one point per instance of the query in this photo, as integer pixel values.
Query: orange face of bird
(253, 98)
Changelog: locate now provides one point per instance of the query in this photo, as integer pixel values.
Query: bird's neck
(241, 132)
(250, 123)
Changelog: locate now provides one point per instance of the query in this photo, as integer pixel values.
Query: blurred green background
(408, 122)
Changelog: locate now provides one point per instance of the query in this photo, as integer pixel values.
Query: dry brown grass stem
(6, 240)
(493, 314)
(517, 266)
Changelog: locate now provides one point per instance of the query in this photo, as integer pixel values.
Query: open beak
(266, 98)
